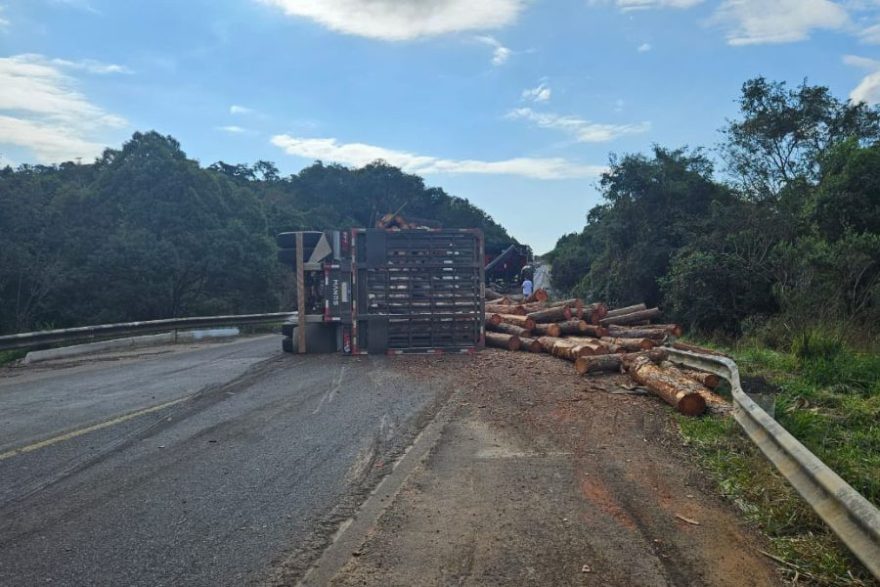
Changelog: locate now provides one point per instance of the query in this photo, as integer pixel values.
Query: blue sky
(513, 104)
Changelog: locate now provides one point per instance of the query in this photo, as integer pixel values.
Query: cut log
(556, 314)
(630, 332)
(491, 294)
(493, 319)
(534, 307)
(573, 327)
(547, 330)
(570, 351)
(595, 331)
(539, 295)
(675, 389)
(710, 380)
(570, 303)
(626, 310)
(548, 342)
(531, 345)
(509, 329)
(521, 321)
(506, 309)
(504, 341)
(683, 346)
(673, 329)
(594, 313)
(614, 362)
(631, 344)
(632, 317)
(714, 402)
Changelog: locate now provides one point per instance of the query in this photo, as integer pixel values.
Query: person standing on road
(527, 287)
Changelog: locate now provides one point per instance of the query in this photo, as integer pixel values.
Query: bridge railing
(29, 340)
(854, 519)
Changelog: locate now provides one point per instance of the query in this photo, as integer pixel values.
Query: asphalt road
(206, 465)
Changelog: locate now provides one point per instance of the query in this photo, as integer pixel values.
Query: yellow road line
(87, 429)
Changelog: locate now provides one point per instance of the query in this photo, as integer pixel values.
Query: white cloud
(539, 94)
(754, 22)
(582, 130)
(870, 35)
(40, 109)
(630, 5)
(237, 109)
(868, 90)
(232, 129)
(644, 48)
(360, 154)
(403, 20)
(92, 66)
(500, 53)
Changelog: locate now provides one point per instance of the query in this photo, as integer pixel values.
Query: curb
(131, 342)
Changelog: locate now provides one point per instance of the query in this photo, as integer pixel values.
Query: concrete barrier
(132, 342)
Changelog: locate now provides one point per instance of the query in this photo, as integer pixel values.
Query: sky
(515, 105)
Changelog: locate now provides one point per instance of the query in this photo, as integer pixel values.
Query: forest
(775, 231)
(146, 233)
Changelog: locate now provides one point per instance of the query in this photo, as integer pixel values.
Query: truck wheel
(287, 344)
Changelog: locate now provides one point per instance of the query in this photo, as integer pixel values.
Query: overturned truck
(369, 291)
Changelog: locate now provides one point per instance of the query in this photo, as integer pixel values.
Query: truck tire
(287, 344)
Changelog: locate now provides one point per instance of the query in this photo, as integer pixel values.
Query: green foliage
(829, 398)
(784, 134)
(145, 232)
(792, 242)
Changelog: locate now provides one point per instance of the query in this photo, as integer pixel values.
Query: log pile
(602, 340)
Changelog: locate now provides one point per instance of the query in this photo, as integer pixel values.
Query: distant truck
(394, 291)
(506, 270)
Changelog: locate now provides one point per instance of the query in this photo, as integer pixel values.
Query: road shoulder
(542, 477)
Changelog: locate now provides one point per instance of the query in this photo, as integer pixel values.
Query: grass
(9, 356)
(829, 399)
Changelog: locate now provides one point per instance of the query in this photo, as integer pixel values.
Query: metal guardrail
(26, 340)
(854, 519)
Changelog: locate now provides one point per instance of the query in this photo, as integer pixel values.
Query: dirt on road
(546, 478)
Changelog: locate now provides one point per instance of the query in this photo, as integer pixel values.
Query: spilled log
(521, 321)
(509, 329)
(503, 341)
(674, 388)
(506, 309)
(614, 362)
(531, 345)
(626, 310)
(632, 317)
(554, 314)
(631, 344)
(547, 330)
(636, 332)
(574, 326)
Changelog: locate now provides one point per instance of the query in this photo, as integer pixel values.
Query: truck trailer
(391, 291)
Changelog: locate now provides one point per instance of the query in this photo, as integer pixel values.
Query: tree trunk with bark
(714, 402)
(675, 389)
(555, 314)
(614, 362)
(521, 321)
(632, 317)
(639, 332)
(503, 341)
(539, 295)
(631, 344)
(626, 310)
(594, 313)
(509, 329)
(531, 345)
(683, 346)
(547, 330)
(574, 326)
(506, 309)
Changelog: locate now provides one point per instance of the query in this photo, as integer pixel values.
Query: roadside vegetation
(773, 254)
(829, 398)
(144, 232)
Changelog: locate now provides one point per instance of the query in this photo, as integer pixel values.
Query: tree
(784, 134)
(848, 198)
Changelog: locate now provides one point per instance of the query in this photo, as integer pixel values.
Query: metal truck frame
(369, 291)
